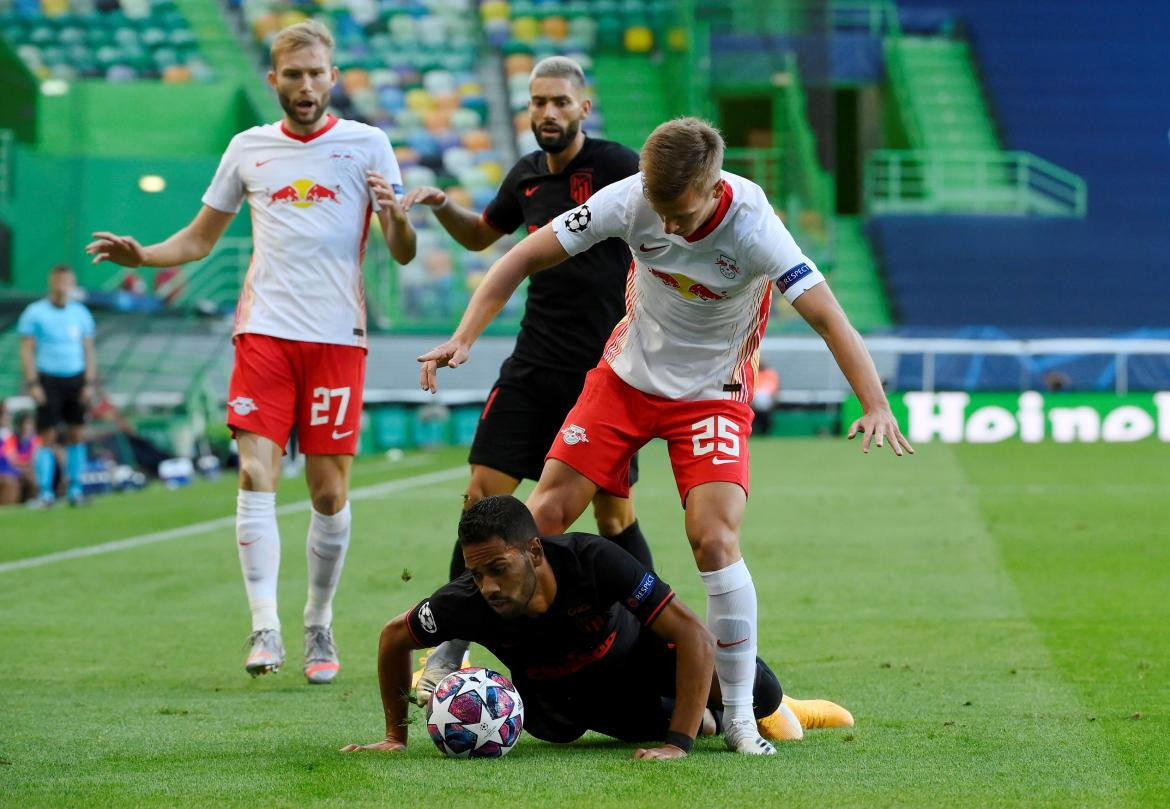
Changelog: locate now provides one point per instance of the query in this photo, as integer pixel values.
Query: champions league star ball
(475, 713)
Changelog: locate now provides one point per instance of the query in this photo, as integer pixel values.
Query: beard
(305, 117)
(555, 144)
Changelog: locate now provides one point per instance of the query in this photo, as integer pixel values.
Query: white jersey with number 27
(311, 212)
(696, 306)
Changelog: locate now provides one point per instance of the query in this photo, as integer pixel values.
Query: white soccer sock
(328, 541)
(259, 543)
(731, 617)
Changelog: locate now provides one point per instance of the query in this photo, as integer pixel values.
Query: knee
(609, 525)
(613, 517)
(255, 475)
(551, 516)
(474, 493)
(715, 549)
(328, 498)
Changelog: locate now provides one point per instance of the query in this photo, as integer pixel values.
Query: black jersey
(604, 596)
(572, 308)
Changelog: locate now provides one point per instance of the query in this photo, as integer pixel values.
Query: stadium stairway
(935, 85)
(229, 55)
(636, 98)
(855, 278)
(1098, 110)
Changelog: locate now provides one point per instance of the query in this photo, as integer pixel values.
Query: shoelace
(259, 634)
(320, 644)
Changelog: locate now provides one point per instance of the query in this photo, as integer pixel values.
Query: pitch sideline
(361, 493)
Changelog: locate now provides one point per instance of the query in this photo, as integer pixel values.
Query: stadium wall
(93, 142)
(60, 200)
(1018, 272)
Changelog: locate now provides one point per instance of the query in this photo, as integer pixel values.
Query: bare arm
(466, 226)
(189, 244)
(820, 309)
(396, 228)
(28, 366)
(90, 369)
(695, 653)
(394, 648)
(539, 251)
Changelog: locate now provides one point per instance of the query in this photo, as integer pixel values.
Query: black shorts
(631, 700)
(62, 401)
(523, 416)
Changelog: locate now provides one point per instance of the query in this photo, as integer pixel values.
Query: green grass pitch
(995, 617)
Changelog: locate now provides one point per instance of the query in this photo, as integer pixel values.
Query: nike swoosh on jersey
(338, 436)
(260, 163)
(528, 192)
(723, 645)
(652, 248)
(718, 461)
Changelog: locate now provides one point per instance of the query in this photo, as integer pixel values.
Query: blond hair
(301, 35)
(686, 153)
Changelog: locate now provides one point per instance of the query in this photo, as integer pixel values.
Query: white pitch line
(362, 493)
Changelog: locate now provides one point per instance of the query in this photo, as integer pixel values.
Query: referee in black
(568, 316)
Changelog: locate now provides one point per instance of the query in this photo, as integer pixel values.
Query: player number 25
(322, 403)
(705, 430)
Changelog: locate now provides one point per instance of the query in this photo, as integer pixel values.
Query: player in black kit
(592, 638)
(568, 316)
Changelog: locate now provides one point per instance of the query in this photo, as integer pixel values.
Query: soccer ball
(475, 713)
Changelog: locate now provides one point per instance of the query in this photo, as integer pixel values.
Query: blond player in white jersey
(312, 183)
(681, 365)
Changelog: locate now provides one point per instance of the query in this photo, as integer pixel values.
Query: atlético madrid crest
(581, 186)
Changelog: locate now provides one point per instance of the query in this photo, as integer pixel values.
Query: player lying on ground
(571, 617)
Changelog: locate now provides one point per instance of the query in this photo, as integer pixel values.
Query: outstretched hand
(450, 354)
(384, 746)
(880, 424)
(663, 753)
(425, 195)
(123, 250)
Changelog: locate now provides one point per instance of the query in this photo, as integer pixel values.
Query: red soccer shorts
(317, 387)
(707, 439)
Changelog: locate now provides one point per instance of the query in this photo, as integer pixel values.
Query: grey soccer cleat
(321, 663)
(445, 658)
(267, 655)
(742, 736)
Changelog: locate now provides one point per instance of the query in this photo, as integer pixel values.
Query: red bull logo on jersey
(686, 286)
(304, 193)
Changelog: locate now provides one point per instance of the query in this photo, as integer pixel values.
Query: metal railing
(992, 182)
(426, 296)
(874, 17)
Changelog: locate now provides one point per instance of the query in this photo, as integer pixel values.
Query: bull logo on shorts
(574, 435)
(242, 405)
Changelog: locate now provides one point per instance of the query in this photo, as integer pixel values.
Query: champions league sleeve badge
(578, 219)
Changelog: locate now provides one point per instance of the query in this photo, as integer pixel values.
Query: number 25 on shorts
(721, 427)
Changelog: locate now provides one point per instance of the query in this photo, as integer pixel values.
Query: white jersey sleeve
(227, 190)
(774, 253)
(605, 215)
